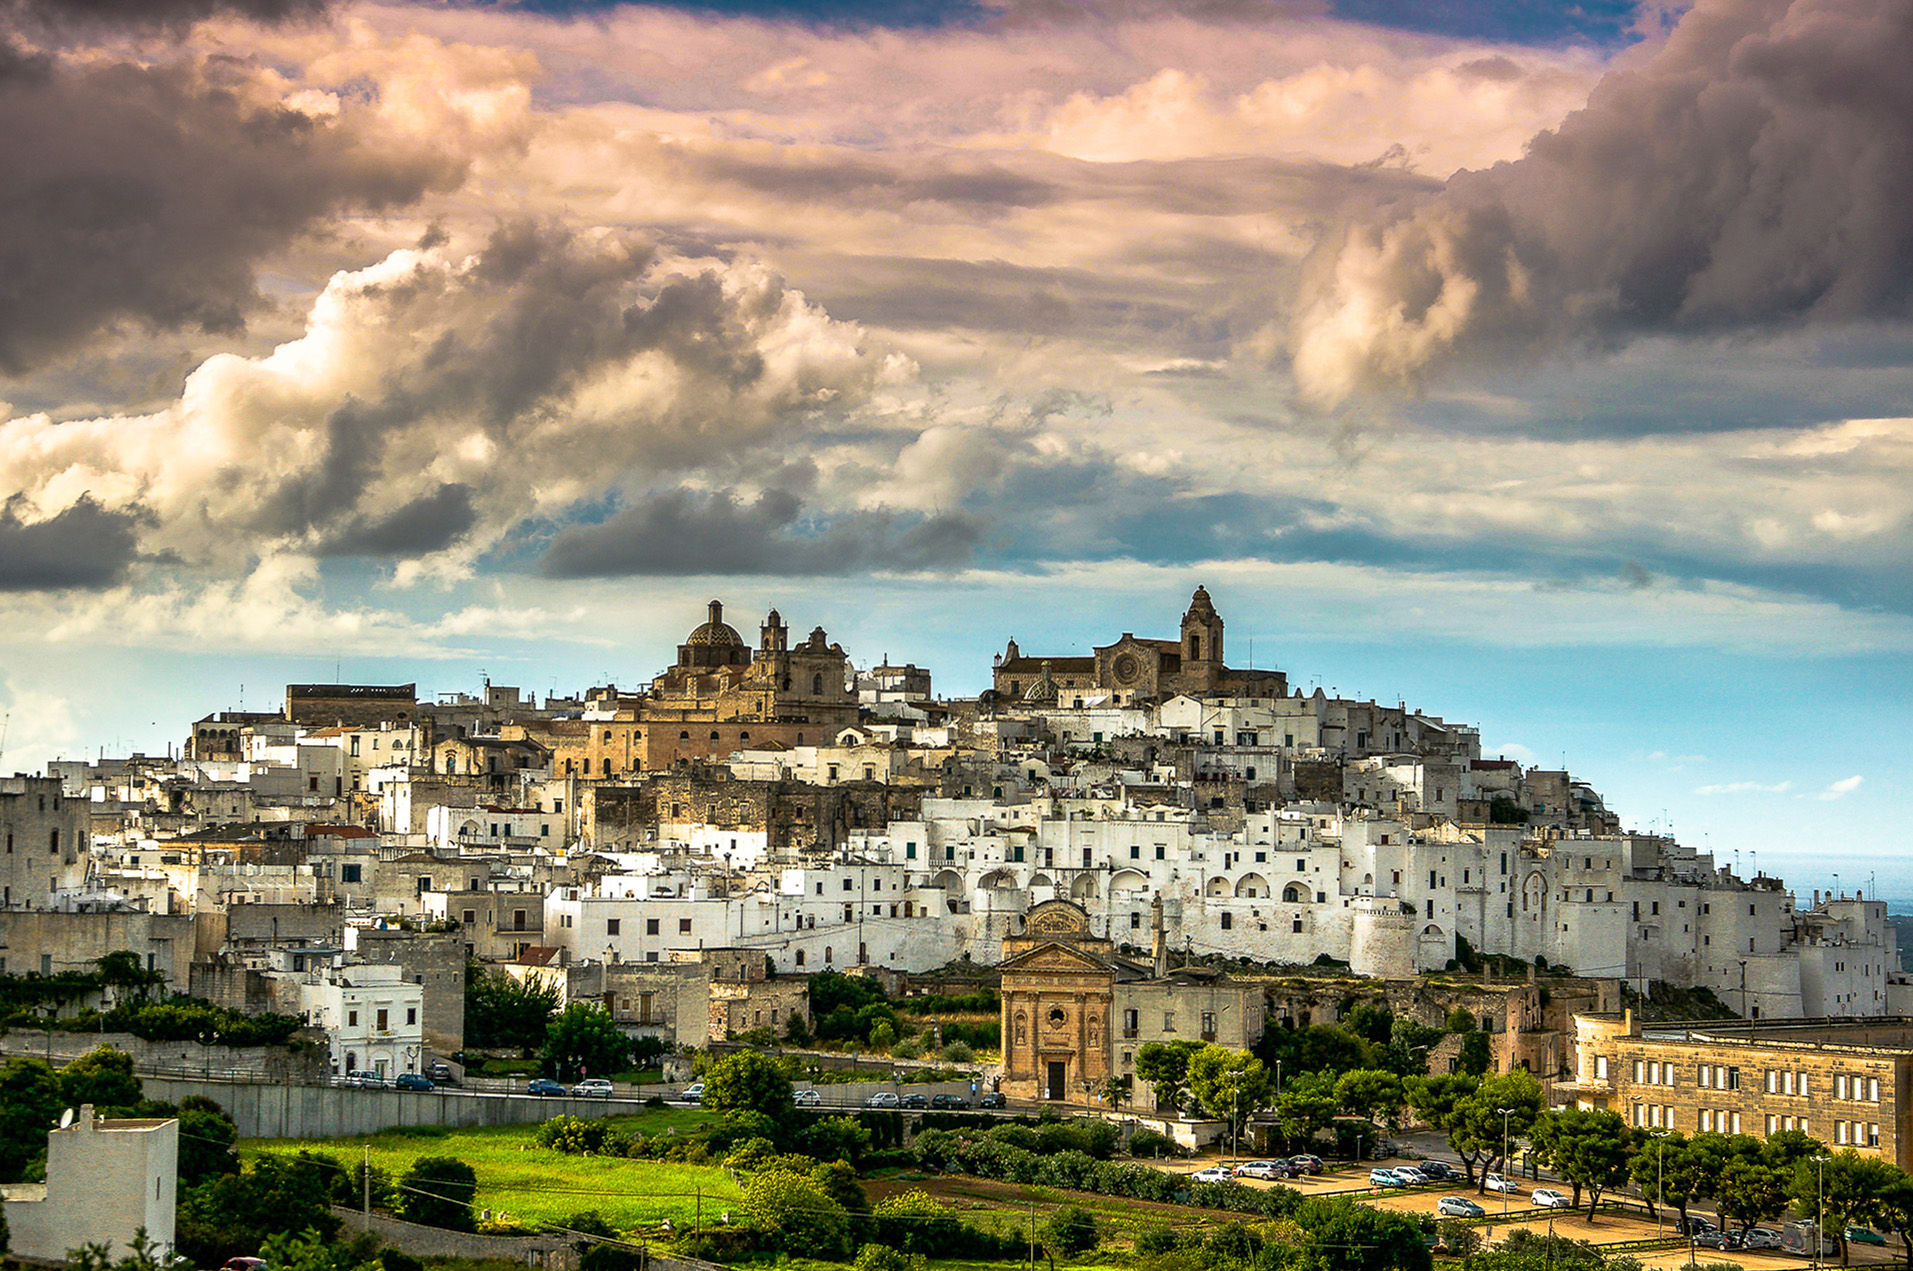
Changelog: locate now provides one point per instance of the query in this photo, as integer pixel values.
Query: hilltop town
(686, 852)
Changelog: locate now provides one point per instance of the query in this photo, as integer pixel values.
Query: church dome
(715, 631)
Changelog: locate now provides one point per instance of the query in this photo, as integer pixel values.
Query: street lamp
(1660, 1181)
(1820, 1209)
(1505, 1114)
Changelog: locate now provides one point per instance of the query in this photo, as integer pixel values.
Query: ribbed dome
(1044, 690)
(716, 631)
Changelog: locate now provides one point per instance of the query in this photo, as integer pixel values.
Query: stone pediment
(1055, 957)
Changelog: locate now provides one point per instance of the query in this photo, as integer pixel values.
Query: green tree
(1345, 1236)
(1673, 1170)
(145, 1256)
(438, 1191)
(1374, 1093)
(30, 1104)
(1229, 1084)
(1321, 1048)
(1299, 1114)
(102, 1077)
(1165, 1066)
(1893, 1209)
(1371, 1021)
(1751, 1191)
(206, 1146)
(1589, 1148)
(834, 1139)
(796, 1214)
(1408, 1046)
(1069, 1230)
(1845, 1188)
(1500, 1112)
(305, 1251)
(502, 1011)
(584, 1041)
(749, 1082)
(275, 1192)
(1475, 1055)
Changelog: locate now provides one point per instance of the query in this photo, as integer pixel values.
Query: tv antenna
(66, 1118)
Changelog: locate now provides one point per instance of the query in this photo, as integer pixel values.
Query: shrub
(1154, 1144)
(796, 1214)
(1071, 1230)
(1458, 1239)
(958, 1052)
(576, 1136)
(1154, 1241)
(438, 1192)
(937, 1150)
(874, 1257)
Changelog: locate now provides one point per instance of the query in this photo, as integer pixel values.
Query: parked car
(1458, 1207)
(1696, 1225)
(1440, 1171)
(413, 1081)
(949, 1102)
(543, 1086)
(1305, 1164)
(1410, 1175)
(806, 1098)
(1263, 1169)
(1496, 1183)
(913, 1101)
(1864, 1236)
(1726, 1241)
(1385, 1178)
(992, 1100)
(244, 1264)
(1548, 1198)
(441, 1075)
(593, 1088)
(882, 1099)
(367, 1080)
(693, 1093)
(1760, 1238)
(1214, 1174)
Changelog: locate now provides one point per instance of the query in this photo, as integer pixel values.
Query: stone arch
(949, 880)
(1084, 888)
(1217, 888)
(1041, 880)
(1534, 894)
(999, 880)
(1295, 894)
(1129, 880)
(1251, 886)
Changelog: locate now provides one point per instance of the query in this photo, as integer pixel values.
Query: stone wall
(263, 1063)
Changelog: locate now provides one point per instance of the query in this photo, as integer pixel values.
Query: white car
(1410, 1175)
(1496, 1183)
(1548, 1198)
(806, 1098)
(693, 1093)
(1262, 1169)
(1214, 1174)
(592, 1088)
(882, 1099)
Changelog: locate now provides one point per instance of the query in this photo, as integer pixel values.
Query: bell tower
(1202, 640)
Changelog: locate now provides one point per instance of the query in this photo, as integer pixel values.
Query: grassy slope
(534, 1184)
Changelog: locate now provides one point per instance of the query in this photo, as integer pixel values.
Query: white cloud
(1746, 787)
(1841, 788)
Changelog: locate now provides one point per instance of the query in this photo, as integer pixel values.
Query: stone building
(351, 705)
(45, 842)
(1132, 669)
(789, 818)
(105, 1180)
(1848, 1083)
(1075, 1013)
(433, 960)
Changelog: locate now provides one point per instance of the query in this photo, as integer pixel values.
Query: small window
(611, 926)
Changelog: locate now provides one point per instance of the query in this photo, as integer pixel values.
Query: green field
(533, 1184)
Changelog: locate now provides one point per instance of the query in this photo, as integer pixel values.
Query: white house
(105, 1180)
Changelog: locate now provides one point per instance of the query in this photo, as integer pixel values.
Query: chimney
(1159, 944)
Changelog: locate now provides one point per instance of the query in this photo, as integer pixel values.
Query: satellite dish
(66, 1119)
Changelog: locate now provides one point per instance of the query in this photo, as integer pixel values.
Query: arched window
(714, 734)
(826, 953)
(685, 735)
(817, 685)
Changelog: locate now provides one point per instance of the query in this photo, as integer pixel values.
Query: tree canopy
(747, 1082)
(584, 1041)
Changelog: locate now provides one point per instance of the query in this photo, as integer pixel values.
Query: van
(1797, 1238)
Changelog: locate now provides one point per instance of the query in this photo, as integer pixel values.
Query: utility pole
(1032, 1236)
(365, 1181)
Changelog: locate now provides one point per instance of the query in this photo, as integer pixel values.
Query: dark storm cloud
(146, 194)
(426, 524)
(89, 16)
(84, 546)
(1756, 171)
(684, 532)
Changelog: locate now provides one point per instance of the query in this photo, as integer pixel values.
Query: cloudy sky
(1542, 366)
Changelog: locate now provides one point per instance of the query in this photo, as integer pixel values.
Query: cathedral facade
(1132, 669)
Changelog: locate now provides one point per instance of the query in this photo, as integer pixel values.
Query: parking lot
(1607, 1227)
